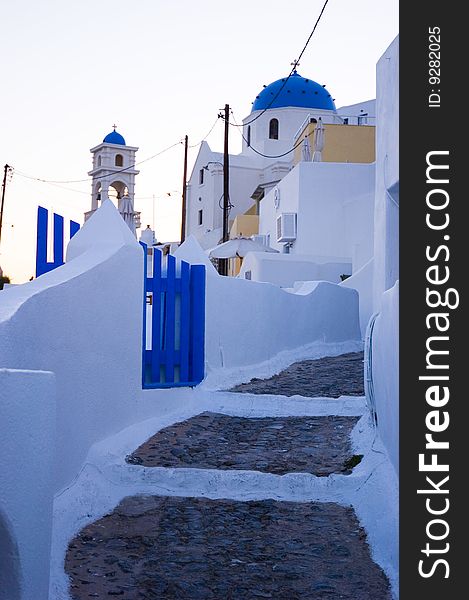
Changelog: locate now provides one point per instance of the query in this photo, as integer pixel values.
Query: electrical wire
(300, 141)
(207, 134)
(140, 162)
(295, 64)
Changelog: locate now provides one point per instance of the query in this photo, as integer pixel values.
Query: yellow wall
(342, 143)
(244, 226)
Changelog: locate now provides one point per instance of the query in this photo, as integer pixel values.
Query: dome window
(273, 129)
(119, 160)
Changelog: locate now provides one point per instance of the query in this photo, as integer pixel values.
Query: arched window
(273, 129)
(119, 162)
(248, 138)
(99, 161)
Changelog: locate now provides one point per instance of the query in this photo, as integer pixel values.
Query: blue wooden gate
(173, 322)
(42, 264)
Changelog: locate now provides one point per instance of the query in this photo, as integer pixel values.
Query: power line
(295, 63)
(207, 134)
(51, 181)
(300, 141)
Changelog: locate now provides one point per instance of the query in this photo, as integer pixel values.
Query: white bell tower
(113, 167)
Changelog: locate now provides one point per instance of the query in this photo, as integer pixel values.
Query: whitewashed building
(279, 113)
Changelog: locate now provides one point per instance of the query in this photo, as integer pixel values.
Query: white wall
(334, 203)
(27, 455)
(362, 281)
(83, 321)
(385, 349)
(249, 322)
(385, 353)
(386, 247)
(285, 269)
(290, 119)
(245, 174)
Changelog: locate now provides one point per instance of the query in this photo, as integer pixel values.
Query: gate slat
(197, 320)
(170, 318)
(58, 240)
(185, 321)
(156, 318)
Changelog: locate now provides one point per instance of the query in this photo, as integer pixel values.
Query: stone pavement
(191, 548)
(166, 547)
(331, 377)
(319, 445)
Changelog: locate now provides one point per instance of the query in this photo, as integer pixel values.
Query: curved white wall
(385, 353)
(249, 322)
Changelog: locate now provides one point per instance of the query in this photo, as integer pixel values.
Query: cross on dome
(295, 64)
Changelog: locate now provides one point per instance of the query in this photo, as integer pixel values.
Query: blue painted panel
(41, 241)
(176, 355)
(58, 240)
(184, 335)
(197, 342)
(42, 264)
(170, 318)
(156, 317)
(74, 227)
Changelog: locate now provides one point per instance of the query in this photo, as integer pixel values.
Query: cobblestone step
(153, 547)
(331, 376)
(279, 445)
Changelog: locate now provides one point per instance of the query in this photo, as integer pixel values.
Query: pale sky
(159, 69)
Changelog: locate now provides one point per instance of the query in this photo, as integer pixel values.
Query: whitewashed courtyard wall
(27, 455)
(83, 322)
(385, 343)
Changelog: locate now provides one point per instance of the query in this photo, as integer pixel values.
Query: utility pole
(184, 191)
(223, 269)
(6, 168)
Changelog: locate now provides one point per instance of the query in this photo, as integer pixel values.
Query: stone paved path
(331, 377)
(192, 548)
(319, 445)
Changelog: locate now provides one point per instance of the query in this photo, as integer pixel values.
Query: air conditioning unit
(286, 227)
(260, 239)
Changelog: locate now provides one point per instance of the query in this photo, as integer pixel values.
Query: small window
(99, 161)
(273, 129)
(201, 212)
(313, 120)
(346, 121)
(248, 141)
(201, 176)
(119, 161)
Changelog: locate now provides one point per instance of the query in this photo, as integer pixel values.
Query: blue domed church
(280, 109)
(280, 112)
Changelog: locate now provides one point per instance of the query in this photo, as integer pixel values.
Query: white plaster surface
(247, 322)
(83, 322)
(362, 281)
(386, 217)
(385, 371)
(27, 455)
(285, 269)
(334, 203)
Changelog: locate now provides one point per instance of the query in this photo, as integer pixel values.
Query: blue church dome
(298, 92)
(114, 138)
